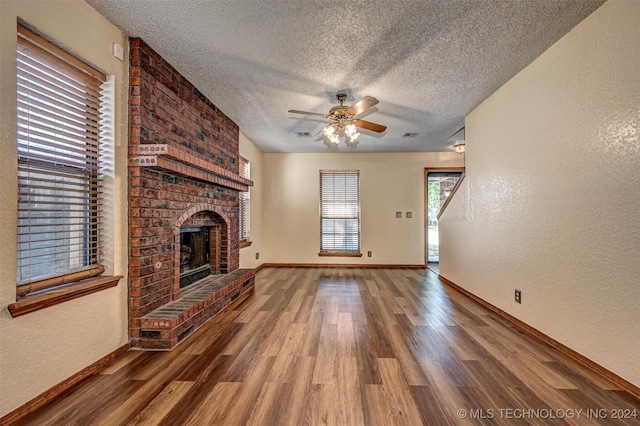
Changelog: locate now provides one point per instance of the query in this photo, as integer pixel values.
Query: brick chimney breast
(183, 172)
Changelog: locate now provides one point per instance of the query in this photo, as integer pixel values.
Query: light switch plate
(409, 215)
(398, 215)
(118, 52)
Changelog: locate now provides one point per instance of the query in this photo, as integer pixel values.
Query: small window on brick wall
(59, 176)
(245, 201)
(339, 213)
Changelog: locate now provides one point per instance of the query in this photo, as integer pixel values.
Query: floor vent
(150, 334)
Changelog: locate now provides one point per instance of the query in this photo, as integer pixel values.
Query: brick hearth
(166, 326)
(183, 172)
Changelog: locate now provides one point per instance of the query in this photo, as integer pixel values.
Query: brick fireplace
(183, 205)
(198, 253)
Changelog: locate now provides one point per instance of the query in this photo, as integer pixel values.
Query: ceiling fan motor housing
(342, 115)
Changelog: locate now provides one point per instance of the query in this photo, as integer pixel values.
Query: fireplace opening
(195, 254)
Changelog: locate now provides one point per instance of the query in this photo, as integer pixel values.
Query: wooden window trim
(244, 170)
(55, 296)
(337, 252)
(68, 284)
(341, 253)
(60, 279)
(60, 54)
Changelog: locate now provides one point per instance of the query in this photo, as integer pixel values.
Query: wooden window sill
(245, 243)
(61, 294)
(340, 254)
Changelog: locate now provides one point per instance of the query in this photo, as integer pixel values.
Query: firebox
(195, 254)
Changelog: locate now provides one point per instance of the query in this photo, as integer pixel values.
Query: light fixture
(351, 130)
(332, 132)
(459, 147)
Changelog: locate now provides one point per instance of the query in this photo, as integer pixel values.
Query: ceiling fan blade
(363, 124)
(362, 105)
(308, 113)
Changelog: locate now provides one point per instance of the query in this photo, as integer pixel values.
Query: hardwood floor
(346, 347)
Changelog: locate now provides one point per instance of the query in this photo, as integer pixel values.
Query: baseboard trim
(56, 390)
(595, 367)
(255, 270)
(339, 265)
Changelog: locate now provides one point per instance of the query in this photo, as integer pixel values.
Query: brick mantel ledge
(180, 160)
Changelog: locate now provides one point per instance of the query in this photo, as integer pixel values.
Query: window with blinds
(59, 181)
(245, 198)
(339, 211)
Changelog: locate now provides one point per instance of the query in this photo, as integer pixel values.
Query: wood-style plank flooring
(345, 347)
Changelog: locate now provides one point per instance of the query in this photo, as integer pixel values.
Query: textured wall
(389, 183)
(41, 349)
(552, 194)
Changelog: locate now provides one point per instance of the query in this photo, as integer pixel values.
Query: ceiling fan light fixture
(350, 130)
(344, 121)
(460, 147)
(330, 130)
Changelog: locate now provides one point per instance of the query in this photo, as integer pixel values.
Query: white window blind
(340, 210)
(59, 182)
(245, 198)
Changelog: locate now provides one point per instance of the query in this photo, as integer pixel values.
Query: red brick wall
(166, 109)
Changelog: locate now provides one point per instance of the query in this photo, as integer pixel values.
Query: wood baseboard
(339, 265)
(595, 367)
(255, 270)
(53, 392)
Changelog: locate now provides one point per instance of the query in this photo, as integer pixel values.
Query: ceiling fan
(343, 118)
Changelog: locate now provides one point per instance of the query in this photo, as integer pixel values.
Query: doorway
(439, 185)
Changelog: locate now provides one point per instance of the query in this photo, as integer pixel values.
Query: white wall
(248, 254)
(551, 197)
(389, 182)
(41, 349)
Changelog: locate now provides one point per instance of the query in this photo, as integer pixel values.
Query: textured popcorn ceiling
(429, 63)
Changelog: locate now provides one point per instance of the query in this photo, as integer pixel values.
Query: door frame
(425, 215)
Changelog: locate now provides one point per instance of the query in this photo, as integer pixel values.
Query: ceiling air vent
(303, 134)
(409, 135)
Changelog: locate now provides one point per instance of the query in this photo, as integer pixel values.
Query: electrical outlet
(518, 296)
(368, 254)
(398, 215)
(257, 256)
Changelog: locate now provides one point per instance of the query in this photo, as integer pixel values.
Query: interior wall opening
(439, 186)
